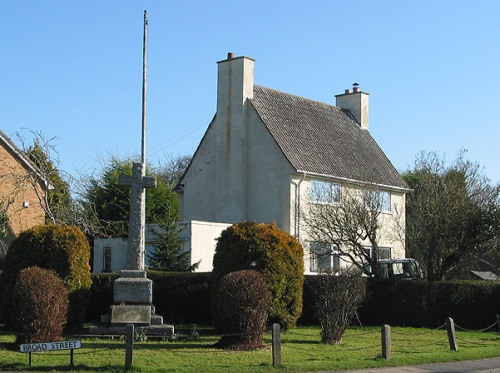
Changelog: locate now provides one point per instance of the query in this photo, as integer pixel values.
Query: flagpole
(144, 78)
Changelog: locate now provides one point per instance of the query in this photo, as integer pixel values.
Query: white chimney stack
(357, 103)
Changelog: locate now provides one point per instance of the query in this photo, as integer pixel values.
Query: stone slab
(133, 288)
(130, 314)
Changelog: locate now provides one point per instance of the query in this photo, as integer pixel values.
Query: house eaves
(20, 155)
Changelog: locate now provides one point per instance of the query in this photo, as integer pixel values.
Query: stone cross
(137, 219)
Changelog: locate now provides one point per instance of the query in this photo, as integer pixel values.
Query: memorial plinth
(133, 287)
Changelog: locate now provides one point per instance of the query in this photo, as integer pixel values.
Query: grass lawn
(301, 352)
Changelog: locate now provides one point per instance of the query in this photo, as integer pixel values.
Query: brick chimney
(357, 103)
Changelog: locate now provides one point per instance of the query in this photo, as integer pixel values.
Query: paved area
(477, 366)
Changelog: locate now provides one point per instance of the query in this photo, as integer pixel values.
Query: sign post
(51, 346)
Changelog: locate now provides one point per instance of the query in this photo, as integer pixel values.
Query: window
(383, 252)
(385, 201)
(381, 200)
(107, 260)
(325, 192)
(323, 257)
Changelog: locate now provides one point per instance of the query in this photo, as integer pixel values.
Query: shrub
(64, 249)
(337, 300)
(39, 306)
(270, 251)
(241, 310)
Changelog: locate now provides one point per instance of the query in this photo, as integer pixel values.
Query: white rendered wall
(118, 254)
(200, 237)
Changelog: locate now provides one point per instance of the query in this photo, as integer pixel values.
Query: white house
(265, 151)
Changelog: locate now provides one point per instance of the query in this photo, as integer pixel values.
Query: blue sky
(72, 70)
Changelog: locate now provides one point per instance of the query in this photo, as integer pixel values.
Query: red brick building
(22, 189)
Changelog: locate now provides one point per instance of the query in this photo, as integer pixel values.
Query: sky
(72, 71)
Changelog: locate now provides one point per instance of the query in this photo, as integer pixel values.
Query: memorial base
(132, 298)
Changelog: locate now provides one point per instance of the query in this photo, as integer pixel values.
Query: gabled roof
(323, 139)
(23, 159)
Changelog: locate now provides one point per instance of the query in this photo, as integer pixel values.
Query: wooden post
(276, 345)
(71, 358)
(386, 342)
(452, 337)
(30, 358)
(129, 345)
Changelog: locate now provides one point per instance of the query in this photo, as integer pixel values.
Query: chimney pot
(230, 55)
(347, 91)
(355, 87)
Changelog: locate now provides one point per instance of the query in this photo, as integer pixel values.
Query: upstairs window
(324, 192)
(380, 200)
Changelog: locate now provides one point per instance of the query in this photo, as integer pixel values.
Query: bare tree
(351, 223)
(452, 214)
(173, 168)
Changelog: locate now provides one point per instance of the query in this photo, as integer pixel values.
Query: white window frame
(322, 191)
(330, 251)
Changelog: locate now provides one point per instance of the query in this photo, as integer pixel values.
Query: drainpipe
(297, 215)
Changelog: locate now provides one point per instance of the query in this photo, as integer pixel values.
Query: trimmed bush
(39, 306)
(270, 251)
(241, 310)
(64, 249)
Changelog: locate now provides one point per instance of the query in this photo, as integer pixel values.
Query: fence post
(386, 342)
(498, 323)
(276, 345)
(452, 337)
(129, 345)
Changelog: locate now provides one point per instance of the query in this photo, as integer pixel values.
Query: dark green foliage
(64, 249)
(337, 301)
(39, 305)
(105, 199)
(101, 296)
(472, 304)
(168, 252)
(270, 251)
(59, 199)
(241, 310)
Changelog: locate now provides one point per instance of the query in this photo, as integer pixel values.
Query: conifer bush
(241, 311)
(64, 249)
(270, 251)
(39, 306)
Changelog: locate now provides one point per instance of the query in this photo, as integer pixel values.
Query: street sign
(50, 346)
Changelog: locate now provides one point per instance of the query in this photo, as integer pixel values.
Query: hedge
(472, 304)
(185, 298)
